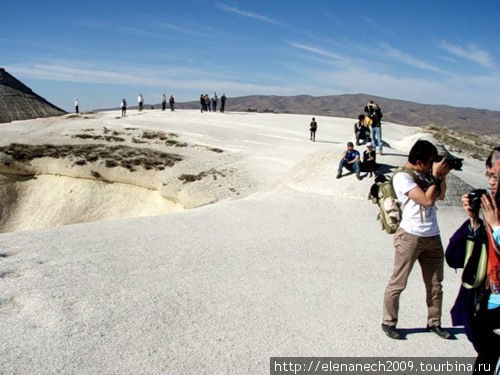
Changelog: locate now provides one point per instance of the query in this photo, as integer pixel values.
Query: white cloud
(144, 77)
(470, 52)
(317, 50)
(409, 60)
(128, 30)
(248, 14)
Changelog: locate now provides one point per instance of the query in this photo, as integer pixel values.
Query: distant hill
(19, 102)
(481, 121)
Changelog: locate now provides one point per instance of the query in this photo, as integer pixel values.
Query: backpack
(390, 210)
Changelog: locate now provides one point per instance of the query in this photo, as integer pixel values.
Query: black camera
(453, 163)
(475, 199)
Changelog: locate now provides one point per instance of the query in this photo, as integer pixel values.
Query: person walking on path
(222, 102)
(76, 106)
(171, 101)
(163, 102)
(123, 106)
(140, 100)
(313, 127)
(418, 186)
(350, 160)
(214, 102)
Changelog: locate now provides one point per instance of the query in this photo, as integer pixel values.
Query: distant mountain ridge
(481, 121)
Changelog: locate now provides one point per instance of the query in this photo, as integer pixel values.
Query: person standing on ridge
(214, 102)
(171, 101)
(375, 113)
(163, 102)
(76, 106)
(140, 100)
(418, 186)
(313, 127)
(202, 103)
(207, 103)
(123, 106)
(222, 102)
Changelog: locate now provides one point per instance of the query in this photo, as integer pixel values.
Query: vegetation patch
(215, 149)
(197, 177)
(173, 142)
(112, 156)
(192, 177)
(107, 138)
(154, 135)
(477, 146)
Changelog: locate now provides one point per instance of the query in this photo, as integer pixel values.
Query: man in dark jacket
(313, 127)
(171, 101)
(222, 102)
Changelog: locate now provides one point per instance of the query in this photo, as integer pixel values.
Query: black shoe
(358, 176)
(440, 332)
(339, 175)
(391, 332)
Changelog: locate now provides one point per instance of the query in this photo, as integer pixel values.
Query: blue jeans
(356, 166)
(377, 138)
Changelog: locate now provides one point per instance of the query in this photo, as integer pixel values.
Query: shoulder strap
(411, 172)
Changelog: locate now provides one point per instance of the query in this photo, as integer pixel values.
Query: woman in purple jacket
(477, 308)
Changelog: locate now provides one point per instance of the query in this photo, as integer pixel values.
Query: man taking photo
(418, 187)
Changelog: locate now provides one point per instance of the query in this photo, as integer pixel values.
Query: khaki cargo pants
(429, 253)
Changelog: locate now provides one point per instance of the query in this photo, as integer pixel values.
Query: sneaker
(391, 332)
(358, 176)
(440, 332)
(339, 175)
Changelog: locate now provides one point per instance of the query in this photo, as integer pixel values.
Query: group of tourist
(418, 185)
(208, 104)
(171, 102)
(367, 128)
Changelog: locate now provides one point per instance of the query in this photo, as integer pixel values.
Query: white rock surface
(296, 265)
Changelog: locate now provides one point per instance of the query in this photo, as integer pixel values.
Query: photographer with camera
(418, 187)
(474, 248)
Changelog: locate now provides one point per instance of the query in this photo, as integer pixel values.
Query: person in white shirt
(76, 106)
(418, 187)
(140, 100)
(163, 102)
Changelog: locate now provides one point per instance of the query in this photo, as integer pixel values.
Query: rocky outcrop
(19, 102)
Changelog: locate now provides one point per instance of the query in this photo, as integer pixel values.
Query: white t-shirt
(418, 220)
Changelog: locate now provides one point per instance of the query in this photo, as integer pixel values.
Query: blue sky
(436, 52)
